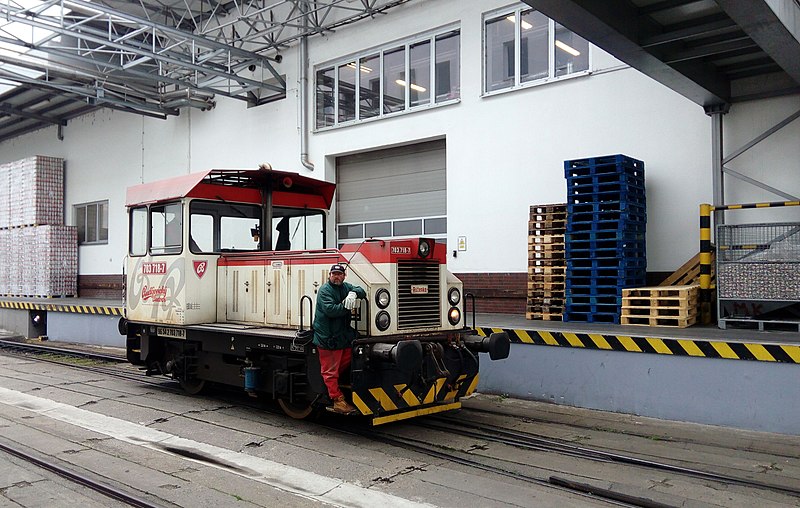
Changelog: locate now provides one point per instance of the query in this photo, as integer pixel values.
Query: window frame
(517, 81)
(83, 208)
(320, 121)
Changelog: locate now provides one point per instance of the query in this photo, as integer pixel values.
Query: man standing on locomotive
(333, 334)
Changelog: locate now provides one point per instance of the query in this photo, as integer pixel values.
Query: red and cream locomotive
(222, 272)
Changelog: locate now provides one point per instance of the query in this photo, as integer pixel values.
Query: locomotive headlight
(382, 298)
(454, 296)
(424, 248)
(383, 320)
(454, 316)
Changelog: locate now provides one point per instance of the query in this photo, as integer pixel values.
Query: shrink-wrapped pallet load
(38, 253)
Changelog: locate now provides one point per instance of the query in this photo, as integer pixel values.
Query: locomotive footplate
(409, 378)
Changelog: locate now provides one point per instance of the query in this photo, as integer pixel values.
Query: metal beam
(768, 29)
(617, 27)
(9, 110)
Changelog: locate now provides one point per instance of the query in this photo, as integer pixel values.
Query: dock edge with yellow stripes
(778, 353)
(55, 307)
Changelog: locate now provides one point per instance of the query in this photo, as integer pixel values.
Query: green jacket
(332, 328)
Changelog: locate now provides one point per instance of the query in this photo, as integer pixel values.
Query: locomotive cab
(221, 280)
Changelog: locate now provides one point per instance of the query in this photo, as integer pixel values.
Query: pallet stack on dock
(605, 235)
(660, 306)
(38, 253)
(546, 265)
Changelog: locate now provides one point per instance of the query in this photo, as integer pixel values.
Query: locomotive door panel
(277, 293)
(245, 293)
(303, 282)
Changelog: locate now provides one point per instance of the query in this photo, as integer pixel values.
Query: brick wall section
(502, 293)
(100, 286)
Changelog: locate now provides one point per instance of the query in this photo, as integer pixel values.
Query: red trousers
(332, 363)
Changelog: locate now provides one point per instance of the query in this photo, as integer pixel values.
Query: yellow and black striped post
(705, 248)
(705, 263)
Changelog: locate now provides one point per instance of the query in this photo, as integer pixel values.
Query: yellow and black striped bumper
(781, 353)
(52, 307)
(399, 402)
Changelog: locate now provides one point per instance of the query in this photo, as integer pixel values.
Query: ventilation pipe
(304, 98)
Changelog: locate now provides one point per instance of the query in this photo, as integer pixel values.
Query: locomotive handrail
(466, 297)
(310, 311)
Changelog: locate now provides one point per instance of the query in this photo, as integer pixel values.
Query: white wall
(504, 152)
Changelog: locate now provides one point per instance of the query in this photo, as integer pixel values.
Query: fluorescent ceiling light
(412, 85)
(525, 24)
(569, 49)
(363, 68)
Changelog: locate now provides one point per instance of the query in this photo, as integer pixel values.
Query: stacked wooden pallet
(660, 306)
(546, 265)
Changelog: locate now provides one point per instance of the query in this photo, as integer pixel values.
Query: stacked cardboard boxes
(38, 253)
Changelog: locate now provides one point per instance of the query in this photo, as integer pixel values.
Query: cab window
(298, 229)
(138, 229)
(166, 229)
(223, 227)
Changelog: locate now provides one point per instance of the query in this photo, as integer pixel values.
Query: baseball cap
(337, 268)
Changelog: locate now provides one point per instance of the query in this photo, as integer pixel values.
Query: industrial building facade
(445, 119)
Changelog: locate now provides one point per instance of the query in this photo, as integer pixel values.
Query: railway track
(540, 443)
(78, 478)
(452, 425)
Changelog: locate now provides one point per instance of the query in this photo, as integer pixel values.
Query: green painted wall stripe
(698, 348)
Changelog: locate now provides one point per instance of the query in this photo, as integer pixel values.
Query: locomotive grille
(416, 309)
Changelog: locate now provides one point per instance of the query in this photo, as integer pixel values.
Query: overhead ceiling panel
(714, 52)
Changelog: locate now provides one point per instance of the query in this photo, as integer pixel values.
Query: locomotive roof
(183, 186)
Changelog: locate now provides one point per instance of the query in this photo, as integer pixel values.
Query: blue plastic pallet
(601, 286)
(628, 177)
(622, 235)
(594, 300)
(599, 291)
(613, 205)
(604, 273)
(591, 195)
(592, 308)
(608, 215)
(607, 262)
(605, 160)
(600, 226)
(590, 317)
(604, 248)
(607, 199)
(604, 181)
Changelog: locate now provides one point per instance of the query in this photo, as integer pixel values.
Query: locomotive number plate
(419, 289)
(175, 333)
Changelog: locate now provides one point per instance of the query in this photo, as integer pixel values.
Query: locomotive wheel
(193, 386)
(295, 410)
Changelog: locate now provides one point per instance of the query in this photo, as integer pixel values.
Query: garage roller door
(393, 193)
